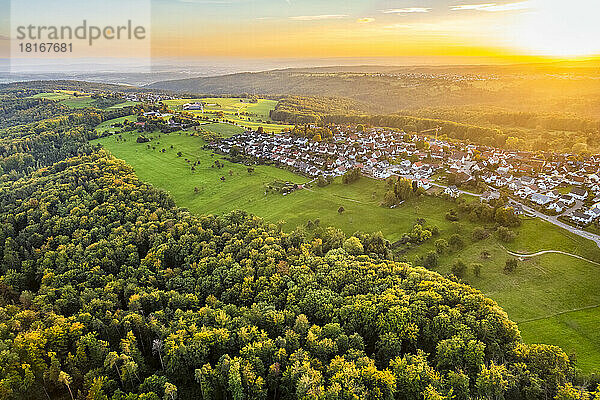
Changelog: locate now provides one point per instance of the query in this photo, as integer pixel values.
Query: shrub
(441, 246)
(457, 242)
(459, 268)
(505, 234)
(353, 246)
(452, 215)
(476, 267)
(431, 260)
(511, 265)
(479, 233)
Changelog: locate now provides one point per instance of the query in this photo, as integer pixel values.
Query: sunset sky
(382, 28)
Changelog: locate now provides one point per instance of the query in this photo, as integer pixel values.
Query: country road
(552, 219)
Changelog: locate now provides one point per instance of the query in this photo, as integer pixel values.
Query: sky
(410, 29)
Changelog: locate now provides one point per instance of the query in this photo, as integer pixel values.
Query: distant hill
(545, 87)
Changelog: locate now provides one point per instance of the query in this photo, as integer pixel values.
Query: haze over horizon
(265, 34)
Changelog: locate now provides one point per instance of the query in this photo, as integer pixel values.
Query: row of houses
(375, 155)
(381, 153)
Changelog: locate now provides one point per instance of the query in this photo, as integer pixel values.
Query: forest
(108, 290)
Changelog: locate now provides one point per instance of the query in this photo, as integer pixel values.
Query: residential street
(552, 219)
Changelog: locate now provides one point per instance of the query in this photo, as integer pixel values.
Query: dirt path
(539, 253)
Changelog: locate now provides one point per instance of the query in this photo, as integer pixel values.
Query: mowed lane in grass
(576, 332)
(541, 287)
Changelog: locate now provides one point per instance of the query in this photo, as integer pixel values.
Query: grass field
(535, 296)
(106, 125)
(82, 100)
(224, 130)
(248, 115)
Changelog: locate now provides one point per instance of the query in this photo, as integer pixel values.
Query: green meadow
(81, 100)
(545, 296)
(237, 110)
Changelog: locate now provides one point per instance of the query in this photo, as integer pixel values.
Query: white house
(581, 218)
(489, 196)
(424, 183)
(567, 199)
(558, 207)
(452, 191)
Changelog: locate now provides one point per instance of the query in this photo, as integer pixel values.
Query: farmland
(234, 110)
(540, 295)
(76, 100)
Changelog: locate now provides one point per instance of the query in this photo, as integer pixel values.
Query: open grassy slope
(541, 288)
(236, 110)
(82, 100)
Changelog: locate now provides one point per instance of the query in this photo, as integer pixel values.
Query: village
(558, 185)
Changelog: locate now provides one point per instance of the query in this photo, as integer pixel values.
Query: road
(555, 221)
(552, 219)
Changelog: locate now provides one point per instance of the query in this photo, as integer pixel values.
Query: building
(579, 193)
(193, 106)
(488, 196)
(540, 199)
(581, 218)
(452, 191)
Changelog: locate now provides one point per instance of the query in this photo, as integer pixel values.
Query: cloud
(408, 10)
(492, 7)
(366, 20)
(318, 17)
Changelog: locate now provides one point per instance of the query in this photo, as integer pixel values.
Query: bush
(431, 260)
(459, 268)
(351, 176)
(479, 233)
(505, 234)
(511, 265)
(441, 246)
(353, 246)
(457, 242)
(452, 215)
(476, 267)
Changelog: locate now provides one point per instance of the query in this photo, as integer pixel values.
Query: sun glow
(558, 28)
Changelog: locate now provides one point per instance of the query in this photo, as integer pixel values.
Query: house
(567, 199)
(581, 217)
(488, 196)
(558, 207)
(579, 193)
(460, 157)
(540, 199)
(593, 212)
(424, 183)
(517, 208)
(452, 191)
(555, 194)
